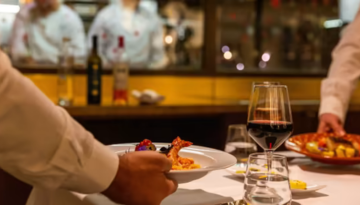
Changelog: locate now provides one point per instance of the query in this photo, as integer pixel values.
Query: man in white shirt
(141, 28)
(42, 145)
(337, 88)
(40, 28)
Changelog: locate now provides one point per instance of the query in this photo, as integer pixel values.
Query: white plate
(309, 188)
(238, 167)
(208, 158)
(242, 167)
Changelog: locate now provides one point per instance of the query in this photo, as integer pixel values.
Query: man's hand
(330, 123)
(141, 179)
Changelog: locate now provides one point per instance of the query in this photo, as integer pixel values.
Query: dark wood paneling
(13, 191)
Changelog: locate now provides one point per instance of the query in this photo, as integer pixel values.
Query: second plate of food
(327, 148)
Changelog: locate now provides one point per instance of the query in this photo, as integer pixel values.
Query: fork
(127, 151)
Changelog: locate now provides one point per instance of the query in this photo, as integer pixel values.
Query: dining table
(220, 187)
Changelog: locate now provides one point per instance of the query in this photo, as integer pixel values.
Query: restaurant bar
(253, 102)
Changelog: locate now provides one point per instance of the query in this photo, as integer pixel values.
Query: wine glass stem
(269, 154)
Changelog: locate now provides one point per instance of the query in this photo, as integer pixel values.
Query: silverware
(127, 151)
(241, 202)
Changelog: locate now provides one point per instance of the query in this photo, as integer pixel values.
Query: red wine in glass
(269, 118)
(269, 134)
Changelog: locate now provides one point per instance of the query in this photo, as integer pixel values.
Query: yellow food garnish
(350, 152)
(296, 184)
(339, 152)
(240, 172)
(341, 147)
(313, 147)
(264, 176)
(328, 154)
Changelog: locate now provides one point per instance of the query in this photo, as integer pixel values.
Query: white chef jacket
(42, 145)
(337, 88)
(141, 29)
(42, 38)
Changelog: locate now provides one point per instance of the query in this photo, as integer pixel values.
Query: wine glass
(263, 186)
(239, 144)
(266, 83)
(269, 119)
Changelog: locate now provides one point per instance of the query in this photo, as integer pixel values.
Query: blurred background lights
(240, 66)
(266, 57)
(262, 64)
(227, 55)
(225, 49)
(168, 39)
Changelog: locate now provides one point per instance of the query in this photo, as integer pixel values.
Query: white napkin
(215, 188)
(148, 96)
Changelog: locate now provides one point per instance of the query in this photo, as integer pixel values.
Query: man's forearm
(42, 145)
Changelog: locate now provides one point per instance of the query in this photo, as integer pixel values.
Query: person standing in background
(141, 28)
(337, 88)
(39, 30)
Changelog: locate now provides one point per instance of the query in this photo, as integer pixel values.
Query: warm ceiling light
(169, 39)
(227, 55)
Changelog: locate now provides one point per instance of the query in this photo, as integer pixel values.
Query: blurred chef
(185, 33)
(337, 88)
(141, 28)
(40, 28)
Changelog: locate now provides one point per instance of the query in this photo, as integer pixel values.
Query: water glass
(265, 186)
(239, 143)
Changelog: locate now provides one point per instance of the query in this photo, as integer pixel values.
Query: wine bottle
(121, 74)
(94, 72)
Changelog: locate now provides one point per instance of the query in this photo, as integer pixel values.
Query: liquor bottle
(65, 74)
(121, 74)
(94, 72)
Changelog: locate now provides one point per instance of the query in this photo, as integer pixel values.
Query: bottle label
(94, 84)
(121, 76)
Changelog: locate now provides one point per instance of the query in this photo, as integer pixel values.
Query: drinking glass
(266, 83)
(267, 187)
(269, 119)
(239, 143)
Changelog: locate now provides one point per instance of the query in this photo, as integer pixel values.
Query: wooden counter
(111, 112)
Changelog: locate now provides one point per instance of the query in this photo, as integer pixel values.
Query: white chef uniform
(142, 30)
(42, 38)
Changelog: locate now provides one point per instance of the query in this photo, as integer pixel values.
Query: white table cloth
(343, 188)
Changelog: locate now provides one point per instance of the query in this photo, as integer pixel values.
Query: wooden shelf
(99, 112)
(86, 2)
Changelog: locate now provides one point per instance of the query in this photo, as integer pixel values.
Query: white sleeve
(97, 29)
(42, 145)
(76, 33)
(18, 37)
(158, 58)
(337, 88)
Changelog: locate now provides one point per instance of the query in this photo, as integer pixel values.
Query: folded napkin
(215, 188)
(148, 97)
